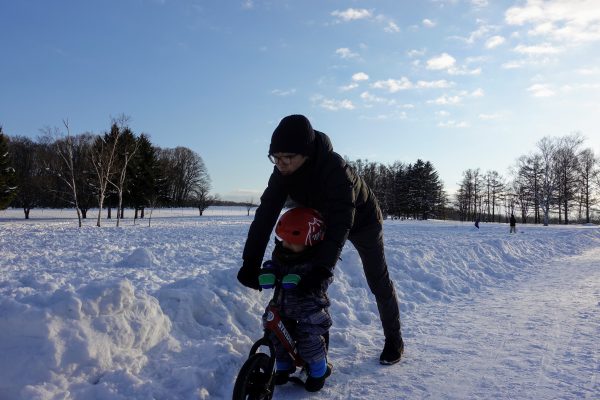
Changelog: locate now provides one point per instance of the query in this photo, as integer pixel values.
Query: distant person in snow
(513, 224)
(305, 305)
(311, 174)
(477, 222)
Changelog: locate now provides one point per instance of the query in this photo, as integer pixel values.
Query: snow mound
(51, 339)
(140, 258)
(215, 324)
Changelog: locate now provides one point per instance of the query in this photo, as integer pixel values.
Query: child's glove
(313, 281)
(248, 276)
(266, 275)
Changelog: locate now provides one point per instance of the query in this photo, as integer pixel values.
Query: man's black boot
(392, 352)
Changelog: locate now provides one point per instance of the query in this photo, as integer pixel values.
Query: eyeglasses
(285, 160)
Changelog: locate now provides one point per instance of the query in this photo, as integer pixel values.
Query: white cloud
(440, 84)
(349, 87)
(447, 62)
(442, 114)
(489, 117)
(396, 85)
(446, 100)
(247, 4)
(479, 3)
(393, 85)
(530, 61)
(480, 32)
(283, 93)
(453, 124)
(383, 117)
(371, 98)
(333, 104)
(477, 93)
(392, 27)
(514, 64)
(360, 76)
(345, 53)
(537, 50)
(541, 90)
(357, 77)
(580, 86)
(464, 71)
(474, 59)
(352, 14)
(589, 71)
(443, 61)
(416, 53)
(494, 42)
(428, 23)
(563, 20)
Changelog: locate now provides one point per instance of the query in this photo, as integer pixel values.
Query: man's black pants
(369, 244)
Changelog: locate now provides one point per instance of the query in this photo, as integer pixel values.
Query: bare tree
(153, 202)
(529, 173)
(470, 194)
(549, 182)
(65, 148)
(128, 147)
(588, 172)
(184, 171)
(103, 158)
(201, 199)
(494, 186)
(566, 165)
(250, 205)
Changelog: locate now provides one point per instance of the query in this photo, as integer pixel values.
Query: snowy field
(140, 312)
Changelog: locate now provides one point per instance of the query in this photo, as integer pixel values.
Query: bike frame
(274, 324)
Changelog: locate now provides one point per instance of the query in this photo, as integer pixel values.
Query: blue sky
(461, 83)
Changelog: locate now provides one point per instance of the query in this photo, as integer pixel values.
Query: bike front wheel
(255, 380)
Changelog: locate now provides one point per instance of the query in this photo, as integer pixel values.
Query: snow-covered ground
(140, 312)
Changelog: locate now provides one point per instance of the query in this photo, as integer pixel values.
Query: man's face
(288, 163)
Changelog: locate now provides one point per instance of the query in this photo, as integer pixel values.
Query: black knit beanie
(294, 134)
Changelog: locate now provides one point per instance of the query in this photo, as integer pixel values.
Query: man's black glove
(313, 281)
(248, 275)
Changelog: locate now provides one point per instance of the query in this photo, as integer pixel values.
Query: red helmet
(301, 225)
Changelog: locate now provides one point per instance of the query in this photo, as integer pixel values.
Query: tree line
(112, 170)
(411, 190)
(559, 181)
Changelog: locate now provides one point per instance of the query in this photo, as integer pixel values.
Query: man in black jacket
(311, 174)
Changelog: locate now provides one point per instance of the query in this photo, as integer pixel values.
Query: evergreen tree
(145, 174)
(7, 186)
(29, 173)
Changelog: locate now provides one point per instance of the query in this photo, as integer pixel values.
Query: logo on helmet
(315, 232)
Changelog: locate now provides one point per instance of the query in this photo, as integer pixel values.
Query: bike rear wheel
(255, 380)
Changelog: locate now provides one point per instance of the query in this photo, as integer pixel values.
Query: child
(304, 308)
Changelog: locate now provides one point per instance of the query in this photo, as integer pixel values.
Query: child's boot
(318, 371)
(283, 370)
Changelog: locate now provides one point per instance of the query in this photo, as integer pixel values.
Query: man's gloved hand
(248, 275)
(313, 281)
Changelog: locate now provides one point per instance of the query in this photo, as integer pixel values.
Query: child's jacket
(308, 312)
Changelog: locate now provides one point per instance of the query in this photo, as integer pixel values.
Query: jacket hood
(323, 147)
